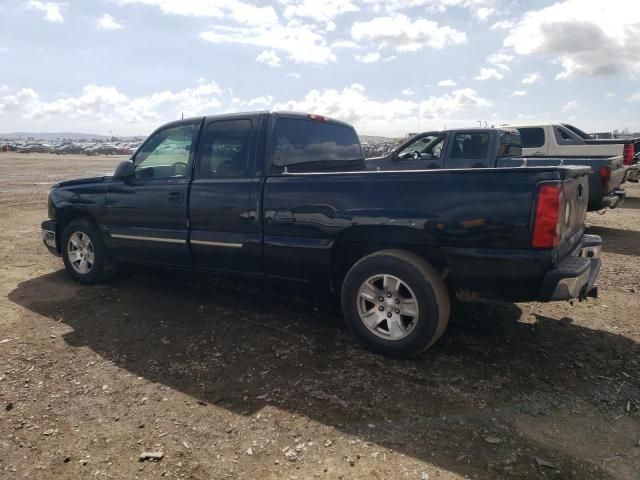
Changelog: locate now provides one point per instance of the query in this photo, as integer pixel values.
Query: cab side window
(224, 149)
(426, 148)
(166, 153)
(565, 136)
(469, 150)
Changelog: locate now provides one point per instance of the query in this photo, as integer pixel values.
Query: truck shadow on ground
(243, 349)
(617, 240)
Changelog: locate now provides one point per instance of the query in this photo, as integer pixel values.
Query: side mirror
(124, 170)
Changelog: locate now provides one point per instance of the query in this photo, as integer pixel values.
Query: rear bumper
(49, 229)
(613, 199)
(575, 276)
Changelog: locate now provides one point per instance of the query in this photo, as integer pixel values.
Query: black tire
(428, 288)
(103, 268)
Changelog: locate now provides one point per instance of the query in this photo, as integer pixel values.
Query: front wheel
(395, 303)
(84, 254)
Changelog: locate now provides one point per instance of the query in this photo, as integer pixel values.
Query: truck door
(223, 204)
(146, 216)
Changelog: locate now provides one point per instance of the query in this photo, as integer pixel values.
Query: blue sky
(387, 66)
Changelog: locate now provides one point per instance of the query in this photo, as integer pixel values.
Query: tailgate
(575, 190)
(618, 171)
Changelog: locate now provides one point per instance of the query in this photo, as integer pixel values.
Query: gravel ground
(229, 381)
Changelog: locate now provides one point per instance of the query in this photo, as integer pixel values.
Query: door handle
(283, 216)
(176, 196)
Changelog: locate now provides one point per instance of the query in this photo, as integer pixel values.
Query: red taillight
(546, 228)
(317, 118)
(605, 178)
(627, 154)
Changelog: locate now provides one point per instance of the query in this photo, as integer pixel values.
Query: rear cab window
(469, 150)
(312, 145)
(510, 144)
(532, 137)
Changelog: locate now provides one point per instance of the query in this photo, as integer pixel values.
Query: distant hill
(53, 136)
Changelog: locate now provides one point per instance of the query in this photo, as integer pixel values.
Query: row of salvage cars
(69, 148)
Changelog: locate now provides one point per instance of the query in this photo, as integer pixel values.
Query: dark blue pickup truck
(287, 197)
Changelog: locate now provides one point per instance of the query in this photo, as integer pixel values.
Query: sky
(389, 67)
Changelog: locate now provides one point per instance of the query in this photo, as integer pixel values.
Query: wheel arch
(355, 243)
(65, 217)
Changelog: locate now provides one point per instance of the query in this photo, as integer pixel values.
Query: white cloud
(345, 44)
(405, 34)
(489, 73)
(107, 22)
(106, 104)
(263, 101)
(104, 107)
(483, 13)
(269, 57)
(500, 59)
(325, 11)
(531, 78)
(407, 92)
(295, 75)
(503, 25)
(388, 117)
(519, 93)
(585, 38)
(635, 97)
(570, 105)
(236, 10)
(52, 10)
(610, 95)
(446, 83)
(301, 43)
(370, 57)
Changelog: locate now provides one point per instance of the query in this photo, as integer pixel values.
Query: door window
(469, 150)
(166, 153)
(224, 149)
(427, 148)
(566, 137)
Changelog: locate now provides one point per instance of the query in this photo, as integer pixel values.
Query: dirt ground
(236, 382)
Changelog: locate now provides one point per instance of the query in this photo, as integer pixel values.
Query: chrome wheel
(80, 252)
(388, 307)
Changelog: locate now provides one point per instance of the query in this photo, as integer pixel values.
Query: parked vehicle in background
(101, 149)
(609, 158)
(286, 197)
(34, 148)
(499, 147)
(68, 149)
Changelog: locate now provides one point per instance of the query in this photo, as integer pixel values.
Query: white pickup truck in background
(564, 140)
(610, 159)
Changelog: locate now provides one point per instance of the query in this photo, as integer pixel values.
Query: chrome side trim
(149, 239)
(217, 244)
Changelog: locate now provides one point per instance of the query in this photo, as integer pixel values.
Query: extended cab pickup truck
(499, 147)
(285, 196)
(609, 159)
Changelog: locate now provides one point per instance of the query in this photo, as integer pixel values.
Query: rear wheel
(395, 303)
(84, 254)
